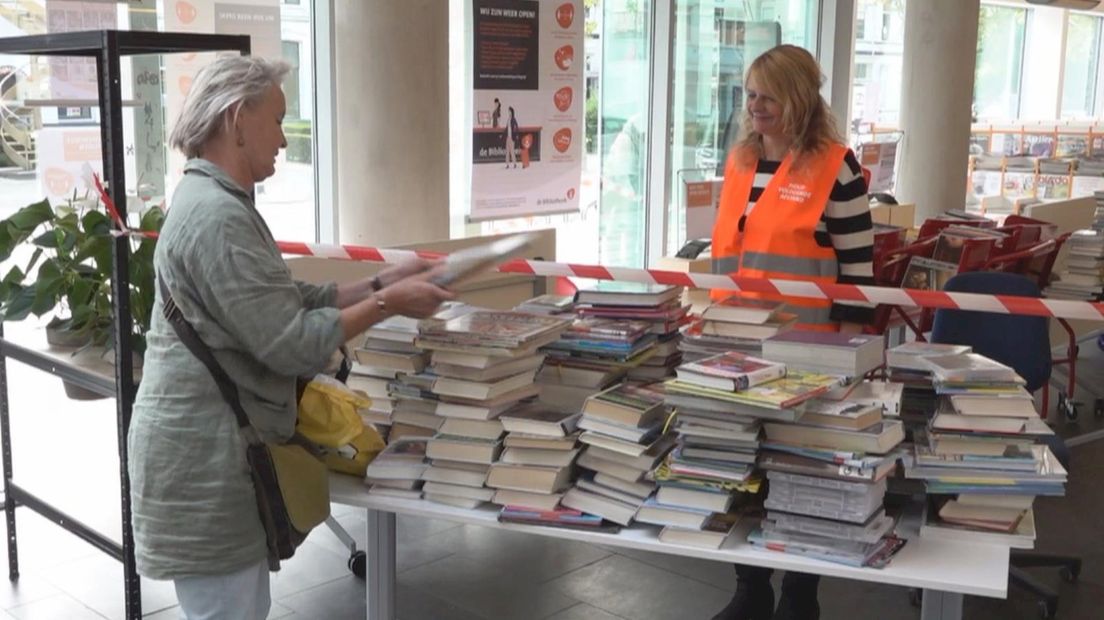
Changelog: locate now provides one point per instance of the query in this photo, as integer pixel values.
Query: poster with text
(527, 113)
(74, 77)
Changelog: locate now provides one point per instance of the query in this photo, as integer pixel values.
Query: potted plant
(69, 251)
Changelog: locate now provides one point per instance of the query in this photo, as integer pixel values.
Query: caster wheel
(1069, 574)
(1046, 610)
(1067, 407)
(358, 563)
(916, 597)
(1098, 408)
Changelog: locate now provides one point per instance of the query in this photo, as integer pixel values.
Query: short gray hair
(227, 81)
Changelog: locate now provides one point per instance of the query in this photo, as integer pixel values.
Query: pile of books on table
(536, 467)
(397, 471)
(981, 460)
(734, 324)
(1083, 276)
(387, 354)
(709, 480)
(482, 364)
(624, 432)
(827, 471)
(619, 328)
(907, 367)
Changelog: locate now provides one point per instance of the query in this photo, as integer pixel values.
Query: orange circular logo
(562, 139)
(59, 182)
(185, 12)
(570, 193)
(562, 98)
(564, 57)
(565, 15)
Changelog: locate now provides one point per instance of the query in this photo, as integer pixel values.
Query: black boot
(799, 598)
(754, 597)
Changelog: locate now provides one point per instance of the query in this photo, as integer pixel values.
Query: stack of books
(482, 365)
(907, 368)
(384, 358)
(979, 457)
(537, 463)
(833, 353)
(709, 479)
(658, 307)
(624, 432)
(620, 328)
(827, 474)
(397, 471)
(1083, 276)
(734, 324)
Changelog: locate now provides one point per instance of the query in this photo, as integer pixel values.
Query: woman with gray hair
(194, 512)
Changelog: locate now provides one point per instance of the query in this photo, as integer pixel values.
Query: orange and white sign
(528, 83)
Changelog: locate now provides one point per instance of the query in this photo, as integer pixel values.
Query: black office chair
(1022, 342)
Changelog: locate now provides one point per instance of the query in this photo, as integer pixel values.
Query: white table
(944, 570)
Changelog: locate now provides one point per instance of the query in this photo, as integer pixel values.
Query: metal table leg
(939, 605)
(380, 574)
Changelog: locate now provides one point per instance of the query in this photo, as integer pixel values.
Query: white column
(936, 96)
(835, 51)
(392, 120)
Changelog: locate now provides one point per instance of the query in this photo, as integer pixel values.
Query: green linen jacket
(194, 511)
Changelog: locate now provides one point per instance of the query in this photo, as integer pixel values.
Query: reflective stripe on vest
(778, 240)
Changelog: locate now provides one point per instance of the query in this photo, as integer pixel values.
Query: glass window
(291, 82)
(1082, 60)
(58, 141)
(998, 74)
(714, 42)
(876, 84)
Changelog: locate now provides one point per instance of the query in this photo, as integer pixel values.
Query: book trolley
(106, 47)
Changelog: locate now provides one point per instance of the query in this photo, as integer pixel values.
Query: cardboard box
(685, 265)
(903, 215)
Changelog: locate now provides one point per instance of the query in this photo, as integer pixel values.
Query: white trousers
(243, 595)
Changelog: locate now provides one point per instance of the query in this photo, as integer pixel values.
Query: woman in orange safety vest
(794, 207)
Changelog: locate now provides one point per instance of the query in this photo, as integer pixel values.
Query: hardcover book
(731, 371)
(614, 293)
(738, 309)
(488, 328)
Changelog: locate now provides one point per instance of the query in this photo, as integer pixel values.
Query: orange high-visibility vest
(778, 240)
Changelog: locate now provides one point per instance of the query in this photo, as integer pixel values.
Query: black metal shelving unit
(107, 47)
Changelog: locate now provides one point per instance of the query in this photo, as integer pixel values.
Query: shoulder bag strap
(195, 344)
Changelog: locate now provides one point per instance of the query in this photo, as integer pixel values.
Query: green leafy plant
(71, 262)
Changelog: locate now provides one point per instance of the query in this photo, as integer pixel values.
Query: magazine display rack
(107, 47)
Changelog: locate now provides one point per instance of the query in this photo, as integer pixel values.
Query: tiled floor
(66, 452)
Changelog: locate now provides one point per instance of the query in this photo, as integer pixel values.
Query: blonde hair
(224, 83)
(791, 76)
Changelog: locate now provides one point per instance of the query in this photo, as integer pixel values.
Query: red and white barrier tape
(1002, 304)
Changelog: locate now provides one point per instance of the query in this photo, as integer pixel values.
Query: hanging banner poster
(527, 112)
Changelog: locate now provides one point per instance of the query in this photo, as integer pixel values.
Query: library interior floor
(461, 572)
